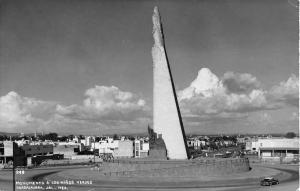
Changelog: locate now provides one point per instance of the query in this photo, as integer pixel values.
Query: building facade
(124, 149)
(276, 149)
(141, 149)
(35, 150)
(6, 151)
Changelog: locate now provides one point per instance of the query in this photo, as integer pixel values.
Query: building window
(137, 146)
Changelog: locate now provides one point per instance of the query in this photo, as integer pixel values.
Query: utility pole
(94, 151)
(14, 165)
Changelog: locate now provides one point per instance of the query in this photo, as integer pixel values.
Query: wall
(8, 148)
(188, 168)
(66, 150)
(125, 149)
(37, 149)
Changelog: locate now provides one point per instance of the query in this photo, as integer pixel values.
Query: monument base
(157, 147)
(174, 168)
(160, 154)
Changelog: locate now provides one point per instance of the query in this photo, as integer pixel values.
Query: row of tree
(55, 137)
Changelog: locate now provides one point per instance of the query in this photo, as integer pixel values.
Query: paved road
(290, 184)
(6, 176)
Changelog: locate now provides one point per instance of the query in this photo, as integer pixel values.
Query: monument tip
(156, 11)
(156, 15)
(157, 28)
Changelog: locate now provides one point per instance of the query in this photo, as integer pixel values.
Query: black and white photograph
(149, 95)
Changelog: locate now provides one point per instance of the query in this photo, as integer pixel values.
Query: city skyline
(86, 66)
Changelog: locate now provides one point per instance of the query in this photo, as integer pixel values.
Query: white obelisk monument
(167, 121)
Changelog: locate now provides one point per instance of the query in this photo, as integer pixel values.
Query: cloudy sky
(73, 66)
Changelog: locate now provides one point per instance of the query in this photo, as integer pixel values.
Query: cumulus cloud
(103, 107)
(294, 116)
(209, 95)
(106, 103)
(205, 85)
(18, 110)
(112, 99)
(286, 92)
(12, 109)
(240, 83)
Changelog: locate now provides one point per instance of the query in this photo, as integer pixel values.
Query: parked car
(268, 181)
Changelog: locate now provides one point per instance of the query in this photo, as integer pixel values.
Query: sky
(73, 66)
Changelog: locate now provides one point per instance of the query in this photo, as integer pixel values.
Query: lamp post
(15, 147)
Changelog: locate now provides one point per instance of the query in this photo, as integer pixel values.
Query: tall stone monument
(167, 122)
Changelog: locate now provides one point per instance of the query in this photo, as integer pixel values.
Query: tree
(97, 139)
(81, 137)
(50, 136)
(71, 137)
(290, 135)
(213, 145)
(63, 138)
(115, 137)
(33, 138)
(3, 137)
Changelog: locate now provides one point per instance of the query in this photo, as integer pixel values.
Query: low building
(241, 140)
(107, 146)
(6, 151)
(124, 149)
(35, 150)
(278, 149)
(141, 148)
(68, 151)
(87, 141)
(252, 145)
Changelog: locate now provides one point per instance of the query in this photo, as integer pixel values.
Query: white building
(87, 141)
(94, 146)
(108, 146)
(124, 150)
(76, 139)
(6, 151)
(277, 148)
(141, 148)
(252, 145)
(117, 148)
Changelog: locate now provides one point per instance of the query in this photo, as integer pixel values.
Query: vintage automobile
(268, 181)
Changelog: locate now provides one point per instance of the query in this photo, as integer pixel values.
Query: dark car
(268, 181)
